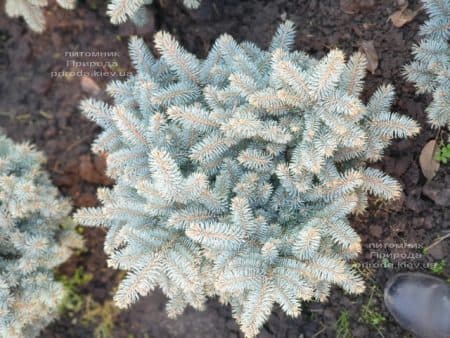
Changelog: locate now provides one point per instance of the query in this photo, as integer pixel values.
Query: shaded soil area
(40, 89)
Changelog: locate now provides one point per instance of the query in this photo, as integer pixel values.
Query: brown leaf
(89, 86)
(403, 15)
(427, 162)
(368, 48)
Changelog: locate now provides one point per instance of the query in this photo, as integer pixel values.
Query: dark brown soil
(39, 107)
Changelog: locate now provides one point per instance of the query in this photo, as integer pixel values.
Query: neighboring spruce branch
(35, 237)
(118, 10)
(430, 70)
(32, 11)
(121, 10)
(235, 174)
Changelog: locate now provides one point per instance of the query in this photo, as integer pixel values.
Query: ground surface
(37, 105)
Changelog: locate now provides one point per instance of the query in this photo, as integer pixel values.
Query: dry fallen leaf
(368, 48)
(403, 15)
(427, 162)
(89, 86)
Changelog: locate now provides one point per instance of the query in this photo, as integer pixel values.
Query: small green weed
(73, 300)
(101, 315)
(438, 267)
(343, 326)
(443, 154)
(387, 263)
(371, 316)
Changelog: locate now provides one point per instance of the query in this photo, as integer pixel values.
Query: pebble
(420, 303)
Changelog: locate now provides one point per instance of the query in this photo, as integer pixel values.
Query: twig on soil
(23, 117)
(436, 242)
(45, 115)
(320, 331)
(56, 168)
(76, 143)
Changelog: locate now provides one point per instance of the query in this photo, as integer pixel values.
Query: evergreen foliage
(32, 11)
(235, 174)
(121, 10)
(118, 10)
(35, 237)
(430, 70)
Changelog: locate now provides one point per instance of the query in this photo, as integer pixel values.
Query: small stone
(420, 303)
(376, 231)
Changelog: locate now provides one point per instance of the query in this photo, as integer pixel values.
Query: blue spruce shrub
(32, 241)
(430, 70)
(235, 174)
(118, 10)
(121, 10)
(32, 11)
